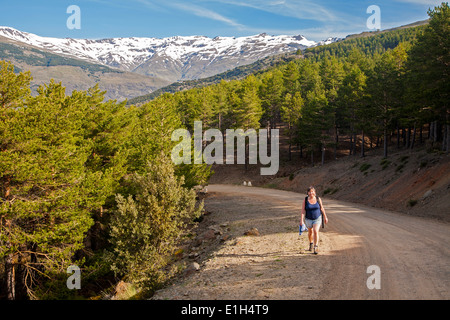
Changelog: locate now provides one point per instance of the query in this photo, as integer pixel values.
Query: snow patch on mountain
(183, 57)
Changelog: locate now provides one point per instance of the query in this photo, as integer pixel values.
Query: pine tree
(14, 91)
(271, 92)
(291, 111)
(351, 99)
(155, 122)
(332, 75)
(315, 121)
(291, 77)
(46, 213)
(428, 70)
(249, 111)
(220, 108)
(386, 92)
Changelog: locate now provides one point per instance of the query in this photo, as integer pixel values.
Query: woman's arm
(322, 209)
(302, 218)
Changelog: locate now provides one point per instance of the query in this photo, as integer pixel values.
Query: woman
(312, 212)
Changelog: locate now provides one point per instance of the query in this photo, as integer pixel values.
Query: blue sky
(315, 19)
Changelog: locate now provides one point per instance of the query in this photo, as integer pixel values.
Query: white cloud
(423, 2)
(305, 9)
(189, 7)
(206, 13)
(336, 24)
(329, 22)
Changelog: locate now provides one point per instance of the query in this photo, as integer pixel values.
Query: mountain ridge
(172, 59)
(73, 73)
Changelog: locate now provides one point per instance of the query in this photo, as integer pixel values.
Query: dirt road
(412, 253)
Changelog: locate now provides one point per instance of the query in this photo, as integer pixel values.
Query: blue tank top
(312, 210)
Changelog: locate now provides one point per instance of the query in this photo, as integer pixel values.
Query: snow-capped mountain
(328, 41)
(174, 58)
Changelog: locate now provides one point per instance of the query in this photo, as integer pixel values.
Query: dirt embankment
(415, 183)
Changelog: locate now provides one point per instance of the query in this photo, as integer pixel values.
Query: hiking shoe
(310, 246)
(316, 250)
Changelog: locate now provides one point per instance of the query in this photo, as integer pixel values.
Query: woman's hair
(310, 188)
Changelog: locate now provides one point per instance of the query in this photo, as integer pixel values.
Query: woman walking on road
(312, 212)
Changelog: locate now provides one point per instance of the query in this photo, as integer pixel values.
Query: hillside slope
(415, 183)
(232, 74)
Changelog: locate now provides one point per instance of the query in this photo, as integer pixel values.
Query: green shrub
(146, 226)
(384, 163)
(330, 191)
(364, 167)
